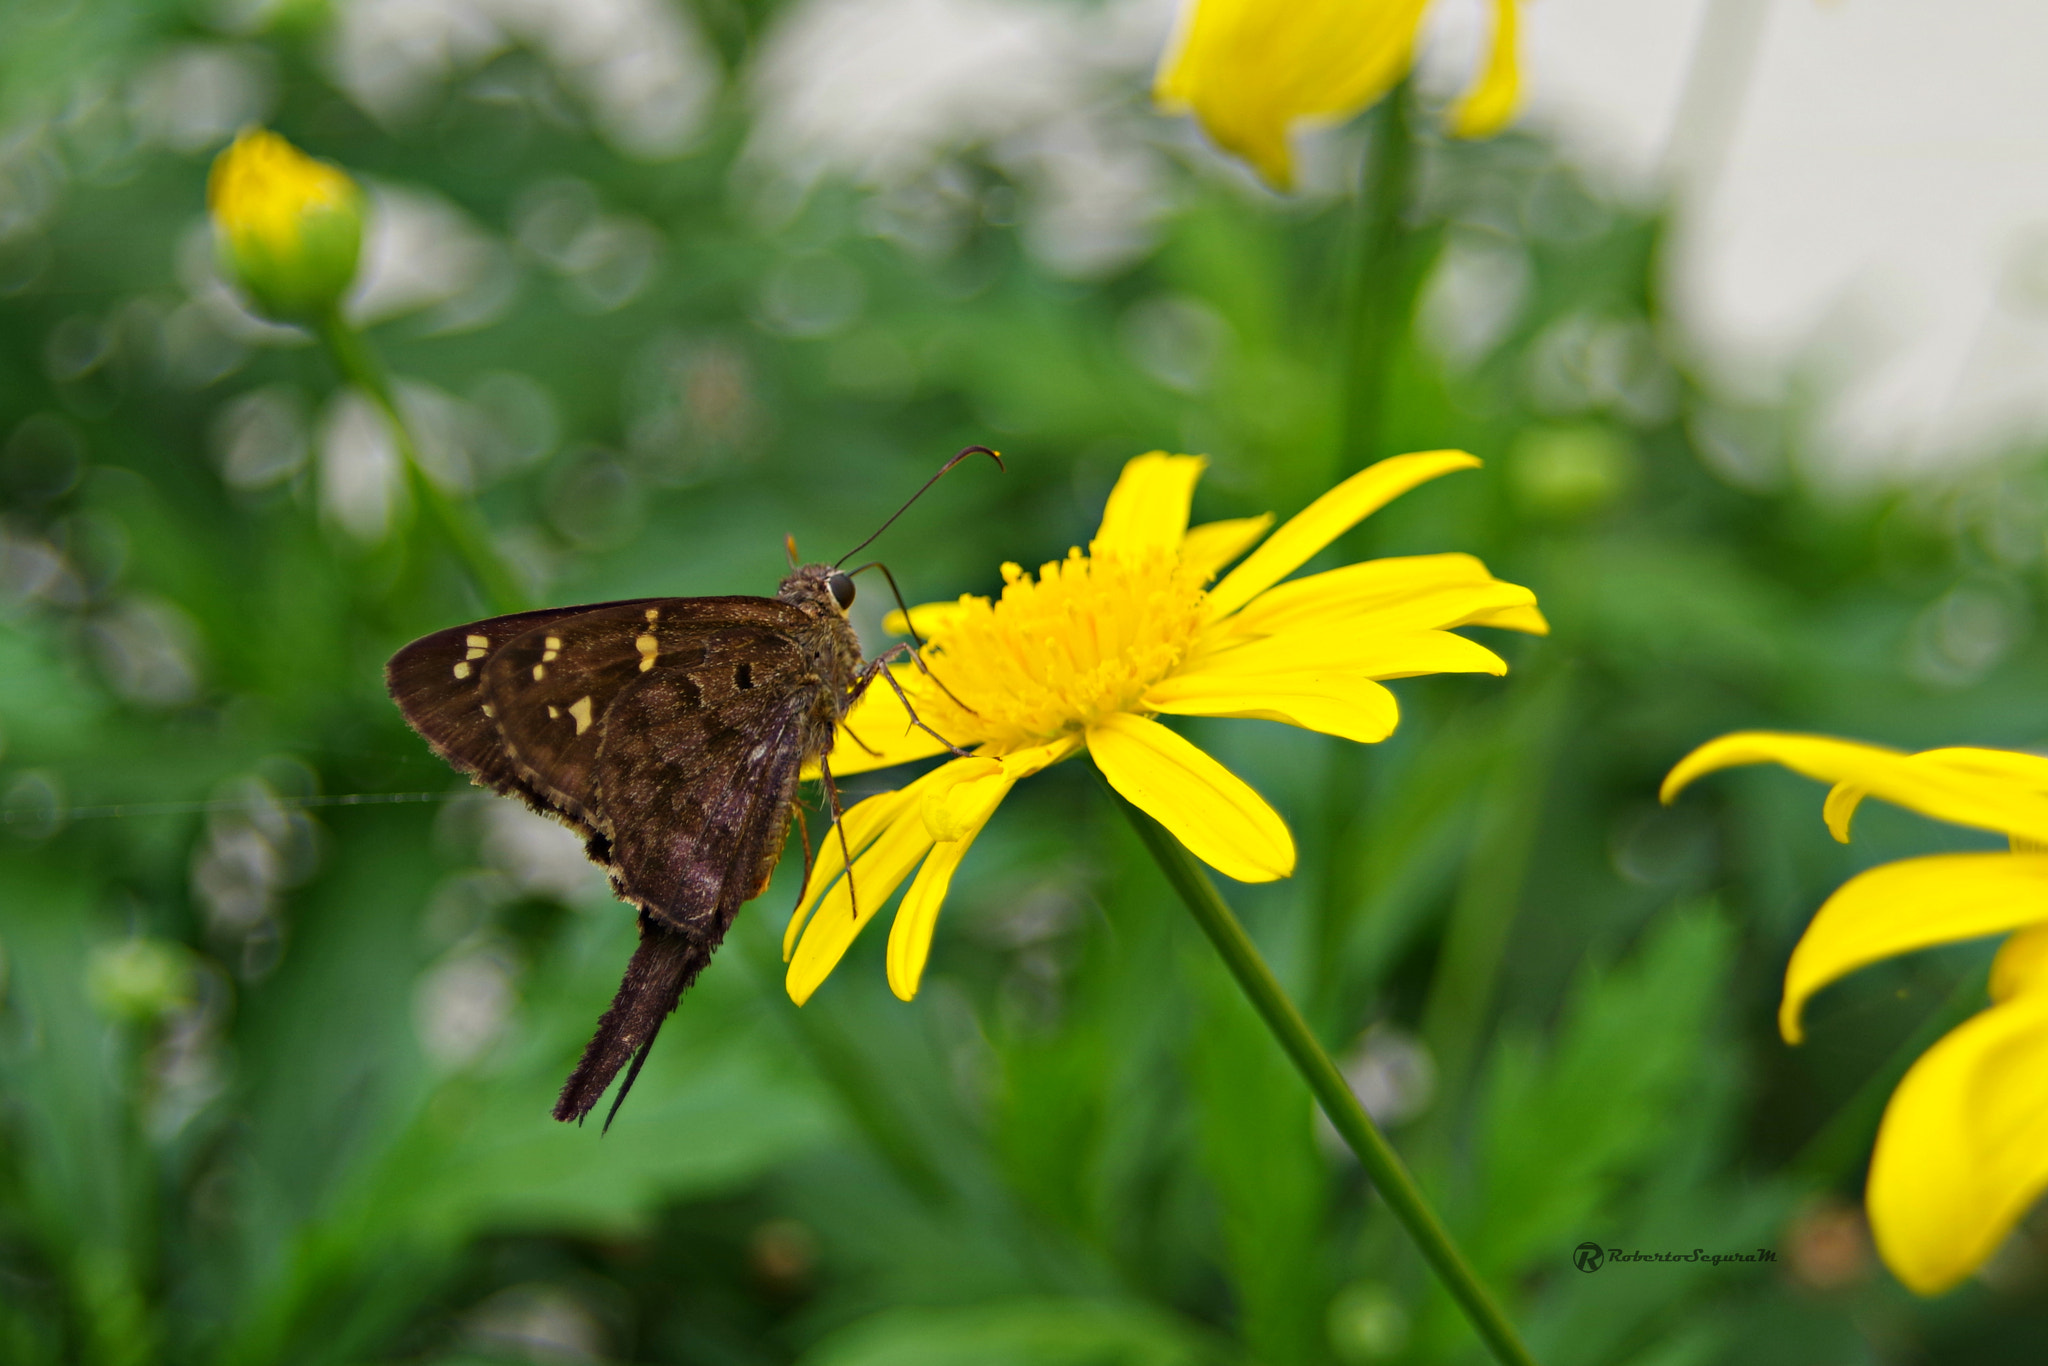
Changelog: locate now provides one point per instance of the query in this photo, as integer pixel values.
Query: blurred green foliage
(277, 1062)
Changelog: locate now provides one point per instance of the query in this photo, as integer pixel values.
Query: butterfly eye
(842, 589)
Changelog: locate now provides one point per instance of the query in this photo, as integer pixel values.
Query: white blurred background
(1863, 184)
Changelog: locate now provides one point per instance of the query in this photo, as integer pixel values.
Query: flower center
(1054, 654)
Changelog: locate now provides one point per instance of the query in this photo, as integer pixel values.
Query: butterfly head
(825, 585)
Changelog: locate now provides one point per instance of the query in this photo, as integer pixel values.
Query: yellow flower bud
(289, 228)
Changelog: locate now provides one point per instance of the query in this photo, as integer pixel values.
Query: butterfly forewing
(550, 687)
(437, 682)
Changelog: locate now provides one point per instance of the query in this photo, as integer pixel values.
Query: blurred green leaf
(1015, 1333)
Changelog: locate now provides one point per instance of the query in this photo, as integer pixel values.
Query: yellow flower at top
(1250, 71)
(1086, 653)
(1962, 1151)
(289, 227)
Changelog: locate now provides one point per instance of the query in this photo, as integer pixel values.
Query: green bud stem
(1390, 1176)
(360, 365)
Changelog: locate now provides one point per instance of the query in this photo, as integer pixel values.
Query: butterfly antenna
(943, 470)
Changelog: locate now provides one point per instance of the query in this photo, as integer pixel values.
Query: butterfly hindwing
(697, 769)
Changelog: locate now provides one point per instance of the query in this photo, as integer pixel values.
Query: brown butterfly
(669, 733)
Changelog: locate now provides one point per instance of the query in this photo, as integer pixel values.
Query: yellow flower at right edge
(1085, 655)
(1962, 1151)
(1250, 70)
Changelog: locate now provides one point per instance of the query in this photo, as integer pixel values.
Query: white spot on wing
(478, 642)
(580, 709)
(648, 647)
(540, 671)
(462, 669)
(553, 711)
(654, 614)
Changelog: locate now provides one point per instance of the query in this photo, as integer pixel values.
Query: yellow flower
(1088, 652)
(1963, 1149)
(290, 228)
(1250, 70)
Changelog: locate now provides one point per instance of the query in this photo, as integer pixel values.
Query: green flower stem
(359, 364)
(1389, 1174)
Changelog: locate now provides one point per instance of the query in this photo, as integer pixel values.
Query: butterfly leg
(858, 741)
(915, 650)
(803, 833)
(879, 667)
(839, 824)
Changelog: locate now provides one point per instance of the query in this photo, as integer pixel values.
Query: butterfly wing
(697, 775)
(670, 732)
(437, 682)
(551, 686)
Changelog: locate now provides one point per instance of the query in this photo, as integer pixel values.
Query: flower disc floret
(1057, 653)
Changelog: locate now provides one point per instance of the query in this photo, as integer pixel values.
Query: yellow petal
(955, 815)
(1351, 708)
(954, 809)
(959, 804)
(1527, 619)
(1963, 1149)
(930, 618)
(1406, 654)
(878, 871)
(859, 825)
(1912, 904)
(1212, 545)
(1839, 808)
(1354, 612)
(2000, 765)
(910, 938)
(1204, 805)
(1327, 518)
(1249, 70)
(877, 733)
(1369, 583)
(1938, 790)
(1148, 508)
(2021, 964)
(1490, 103)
